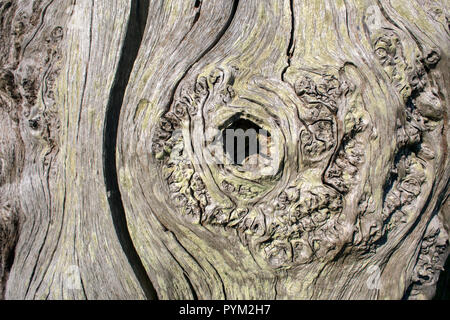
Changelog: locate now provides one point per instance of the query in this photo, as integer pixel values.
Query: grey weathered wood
(97, 98)
(66, 221)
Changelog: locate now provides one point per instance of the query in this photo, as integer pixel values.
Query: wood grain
(109, 111)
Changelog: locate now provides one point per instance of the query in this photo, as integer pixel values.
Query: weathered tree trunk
(115, 182)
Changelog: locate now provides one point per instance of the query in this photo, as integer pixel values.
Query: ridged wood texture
(108, 111)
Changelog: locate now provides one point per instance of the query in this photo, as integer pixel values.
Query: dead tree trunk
(117, 180)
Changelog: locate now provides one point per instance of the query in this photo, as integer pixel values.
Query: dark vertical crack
(198, 6)
(291, 45)
(133, 38)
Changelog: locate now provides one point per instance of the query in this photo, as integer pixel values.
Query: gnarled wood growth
(118, 180)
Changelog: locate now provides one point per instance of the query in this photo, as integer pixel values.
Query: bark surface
(116, 181)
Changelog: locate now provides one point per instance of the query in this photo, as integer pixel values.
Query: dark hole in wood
(242, 129)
